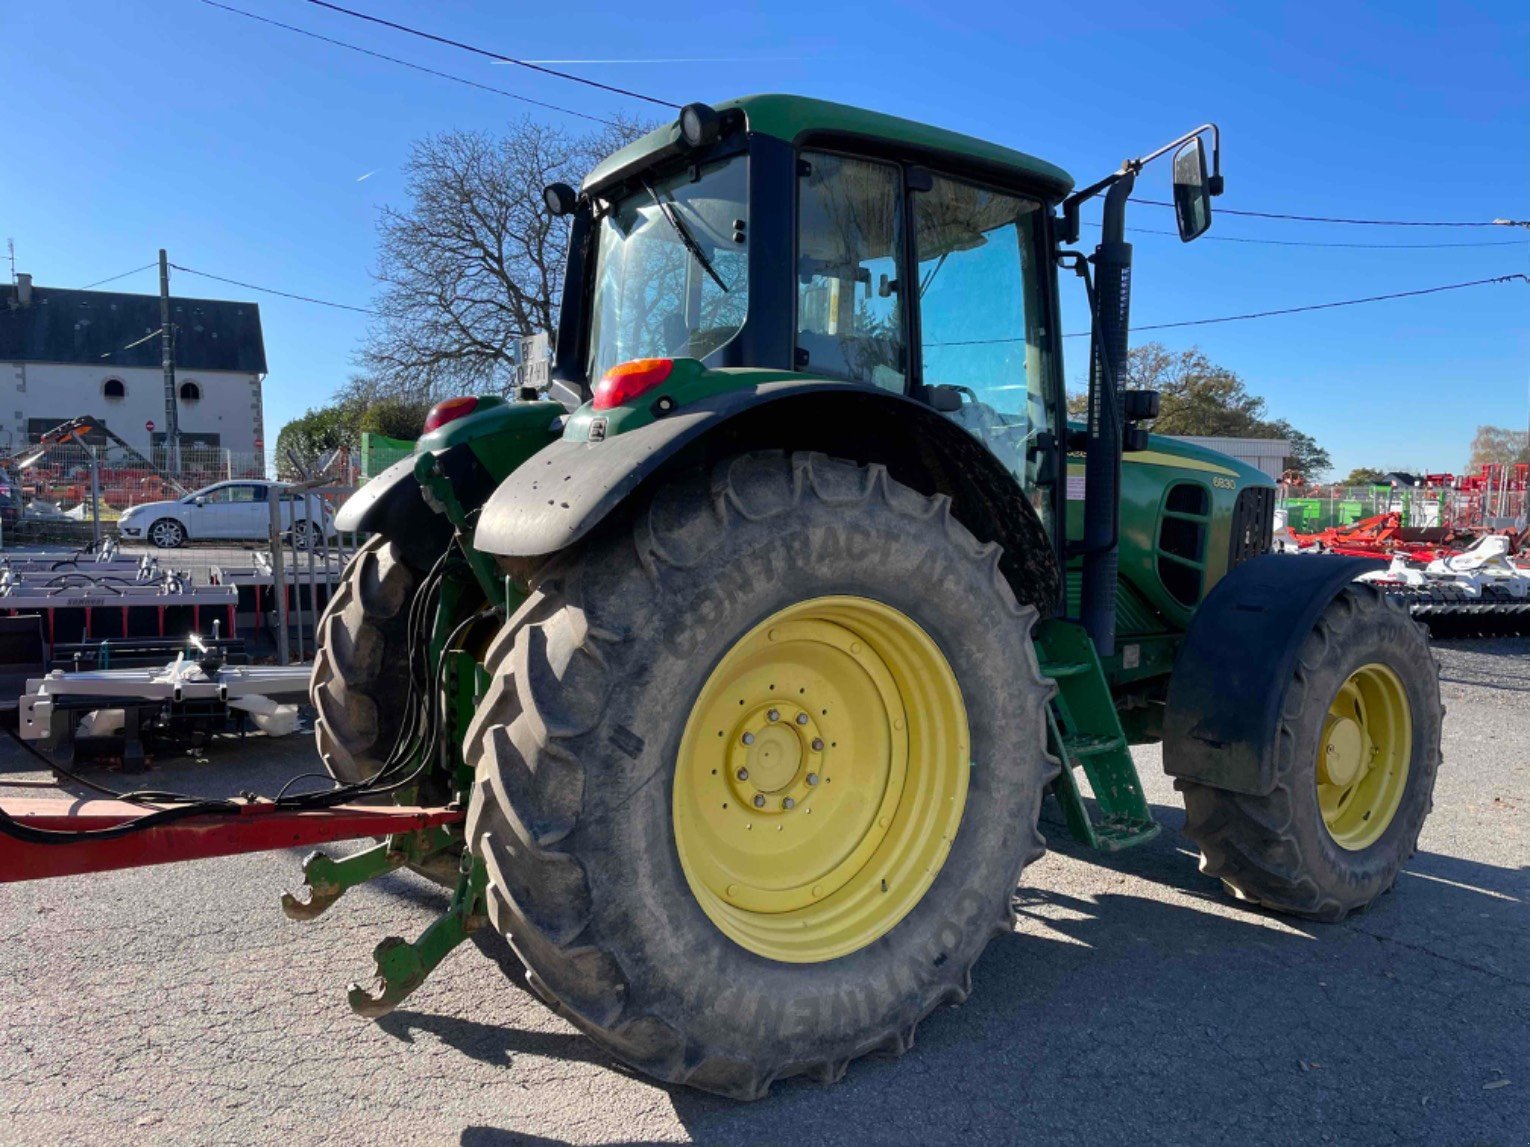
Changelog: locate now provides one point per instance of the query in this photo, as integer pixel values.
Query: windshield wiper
(687, 240)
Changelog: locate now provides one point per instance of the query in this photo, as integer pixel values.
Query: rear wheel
(1356, 752)
(360, 679)
(757, 773)
(305, 534)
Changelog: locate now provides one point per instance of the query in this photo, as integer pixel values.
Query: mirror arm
(1214, 183)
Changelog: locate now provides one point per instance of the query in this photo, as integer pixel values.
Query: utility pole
(167, 345)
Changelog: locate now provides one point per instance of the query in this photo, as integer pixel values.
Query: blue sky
(240, 147)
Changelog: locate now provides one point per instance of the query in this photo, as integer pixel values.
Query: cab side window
(849, 299)
(978, 316)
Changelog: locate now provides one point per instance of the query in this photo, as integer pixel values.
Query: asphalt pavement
(1134, 1002)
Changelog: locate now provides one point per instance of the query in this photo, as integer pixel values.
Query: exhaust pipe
(1102, 460)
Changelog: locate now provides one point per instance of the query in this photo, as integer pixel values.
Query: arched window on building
(190, 392)
(114, 388)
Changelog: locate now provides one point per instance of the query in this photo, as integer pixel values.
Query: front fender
(565, 490)
(1236, 662)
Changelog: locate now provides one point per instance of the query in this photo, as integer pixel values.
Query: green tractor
(753, 636)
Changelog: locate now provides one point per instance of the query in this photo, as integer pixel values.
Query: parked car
(226, 511)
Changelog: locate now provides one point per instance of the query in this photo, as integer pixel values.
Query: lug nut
(812, 778)
(748, 738)
(743, 774)
(773, 715)
(802, 718)
(787, 802)
(759, 800)
(817, 744)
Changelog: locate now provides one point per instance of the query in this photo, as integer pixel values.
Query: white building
(1267, 454)
(65, 353)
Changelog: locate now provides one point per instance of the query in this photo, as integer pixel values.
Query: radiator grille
(1252, 525)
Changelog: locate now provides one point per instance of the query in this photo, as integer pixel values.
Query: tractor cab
(798, 235)
(777, 237)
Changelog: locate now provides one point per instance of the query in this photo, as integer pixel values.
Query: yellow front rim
(1363, 756)
(821, 779)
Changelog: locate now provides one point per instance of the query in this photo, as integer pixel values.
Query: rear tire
(360, 675)
(304, 535)
(1282, 850)
(577, 742)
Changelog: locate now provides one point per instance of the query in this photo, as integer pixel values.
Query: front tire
(622, 691)
(1356, 753)
(167, 534)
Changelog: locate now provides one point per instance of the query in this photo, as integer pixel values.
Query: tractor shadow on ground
(1172, 1008)
(1109, 1011)
(490, 1043)
(1177, 1014)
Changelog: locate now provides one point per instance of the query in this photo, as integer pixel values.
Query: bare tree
(474, 262)
(1498, 444)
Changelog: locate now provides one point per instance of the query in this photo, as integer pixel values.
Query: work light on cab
(628, 380)
(449, 410)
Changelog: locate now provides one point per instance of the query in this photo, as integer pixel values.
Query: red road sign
(149, 426)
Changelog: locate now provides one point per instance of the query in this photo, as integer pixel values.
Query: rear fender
(474, 454)
(390, 504)
(1236, 662)
(569, 488)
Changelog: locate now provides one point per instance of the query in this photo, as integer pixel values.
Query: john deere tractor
(753, 635)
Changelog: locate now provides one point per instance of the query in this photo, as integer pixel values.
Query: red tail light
(626, 381)
(449, 411)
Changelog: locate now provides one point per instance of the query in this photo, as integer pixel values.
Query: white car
(226, 511)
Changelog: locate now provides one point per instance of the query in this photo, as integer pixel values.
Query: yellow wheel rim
(821, 779)
(1363, 756)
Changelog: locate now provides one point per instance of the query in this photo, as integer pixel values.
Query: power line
(493, 55)
(114, 278)
(1320, 306)
(974, 342)
(1317, 243)
(274, 291)
(1329, 219)
(407, 63)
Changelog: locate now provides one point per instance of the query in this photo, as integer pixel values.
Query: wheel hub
(1344, 752)
(773, 755)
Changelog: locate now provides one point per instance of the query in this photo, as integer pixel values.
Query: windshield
(653, 297)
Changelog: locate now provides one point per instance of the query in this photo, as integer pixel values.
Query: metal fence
(72, 494)
(1310, 510)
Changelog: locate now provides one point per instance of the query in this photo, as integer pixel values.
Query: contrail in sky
(675, 60)
(368, 175)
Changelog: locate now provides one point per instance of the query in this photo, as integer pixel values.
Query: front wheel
(167, 534)
(758, 773)
(1356, 752)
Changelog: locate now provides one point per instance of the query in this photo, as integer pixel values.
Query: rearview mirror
(201, 501)
(1192, 193)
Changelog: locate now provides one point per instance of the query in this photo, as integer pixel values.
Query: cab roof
(790, 118)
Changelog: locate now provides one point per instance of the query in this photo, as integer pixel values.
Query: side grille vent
(1253, 524)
